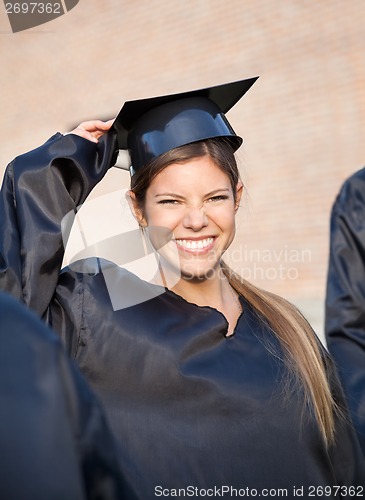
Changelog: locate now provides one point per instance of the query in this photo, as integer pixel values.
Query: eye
(219, 198)
(168, 201)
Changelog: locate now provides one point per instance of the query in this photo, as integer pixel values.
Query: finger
(93, 129)
(107, 124)
(97, 125)
(91, 137)
(102, 127)
(84, 133)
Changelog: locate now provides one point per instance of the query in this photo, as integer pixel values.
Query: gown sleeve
(345, 298)
(39, 189)
(346, 454)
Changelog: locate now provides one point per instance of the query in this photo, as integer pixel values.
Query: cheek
(223, 217)
(157, 216)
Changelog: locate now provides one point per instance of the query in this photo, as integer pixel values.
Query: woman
(212, 387)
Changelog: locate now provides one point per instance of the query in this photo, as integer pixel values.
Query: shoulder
(350, 202)
(110, 283)
(357, 177)
(355, 184)
(57, 146)
(27, 156)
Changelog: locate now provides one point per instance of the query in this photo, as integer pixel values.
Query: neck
(209, 292)
(216, 293)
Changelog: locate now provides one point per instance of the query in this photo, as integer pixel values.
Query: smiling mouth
(195, 244)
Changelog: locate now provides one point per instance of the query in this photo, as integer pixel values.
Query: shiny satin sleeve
(345, 453)
(39, 189)
(345, 298)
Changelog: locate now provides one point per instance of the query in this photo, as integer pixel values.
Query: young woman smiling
(209, 381)
(201, 218)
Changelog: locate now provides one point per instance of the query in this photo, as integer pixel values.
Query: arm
(345, 301)
(39, 189)
(345, 452)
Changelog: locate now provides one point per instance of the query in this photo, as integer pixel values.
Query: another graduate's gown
(54, 441)
(345, 297)
(191, 409)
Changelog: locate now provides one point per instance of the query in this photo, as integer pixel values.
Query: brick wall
(303, 122)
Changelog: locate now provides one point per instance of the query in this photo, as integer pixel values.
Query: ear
(136, 209)
(239, 191)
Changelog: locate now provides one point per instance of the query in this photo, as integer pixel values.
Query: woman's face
(194, 201)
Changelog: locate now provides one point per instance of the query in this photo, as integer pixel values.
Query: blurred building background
(303, 122)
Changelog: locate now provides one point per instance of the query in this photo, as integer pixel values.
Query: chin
(198, 275)
(191, 270)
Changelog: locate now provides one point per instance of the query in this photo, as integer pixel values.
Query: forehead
(199, 174)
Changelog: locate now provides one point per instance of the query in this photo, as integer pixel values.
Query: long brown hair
(298, 341)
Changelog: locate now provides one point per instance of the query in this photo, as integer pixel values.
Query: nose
(195, 218)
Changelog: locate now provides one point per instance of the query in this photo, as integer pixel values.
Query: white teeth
(195, 244)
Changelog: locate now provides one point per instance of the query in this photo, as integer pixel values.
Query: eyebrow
(207, 195)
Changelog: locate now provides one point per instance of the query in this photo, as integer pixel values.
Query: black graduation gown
(54, 440)
(190, 408)
(345, 299)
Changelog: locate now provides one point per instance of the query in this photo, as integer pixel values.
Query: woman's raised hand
(93, 129)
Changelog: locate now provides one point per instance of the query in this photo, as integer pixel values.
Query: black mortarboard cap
(150, 127)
